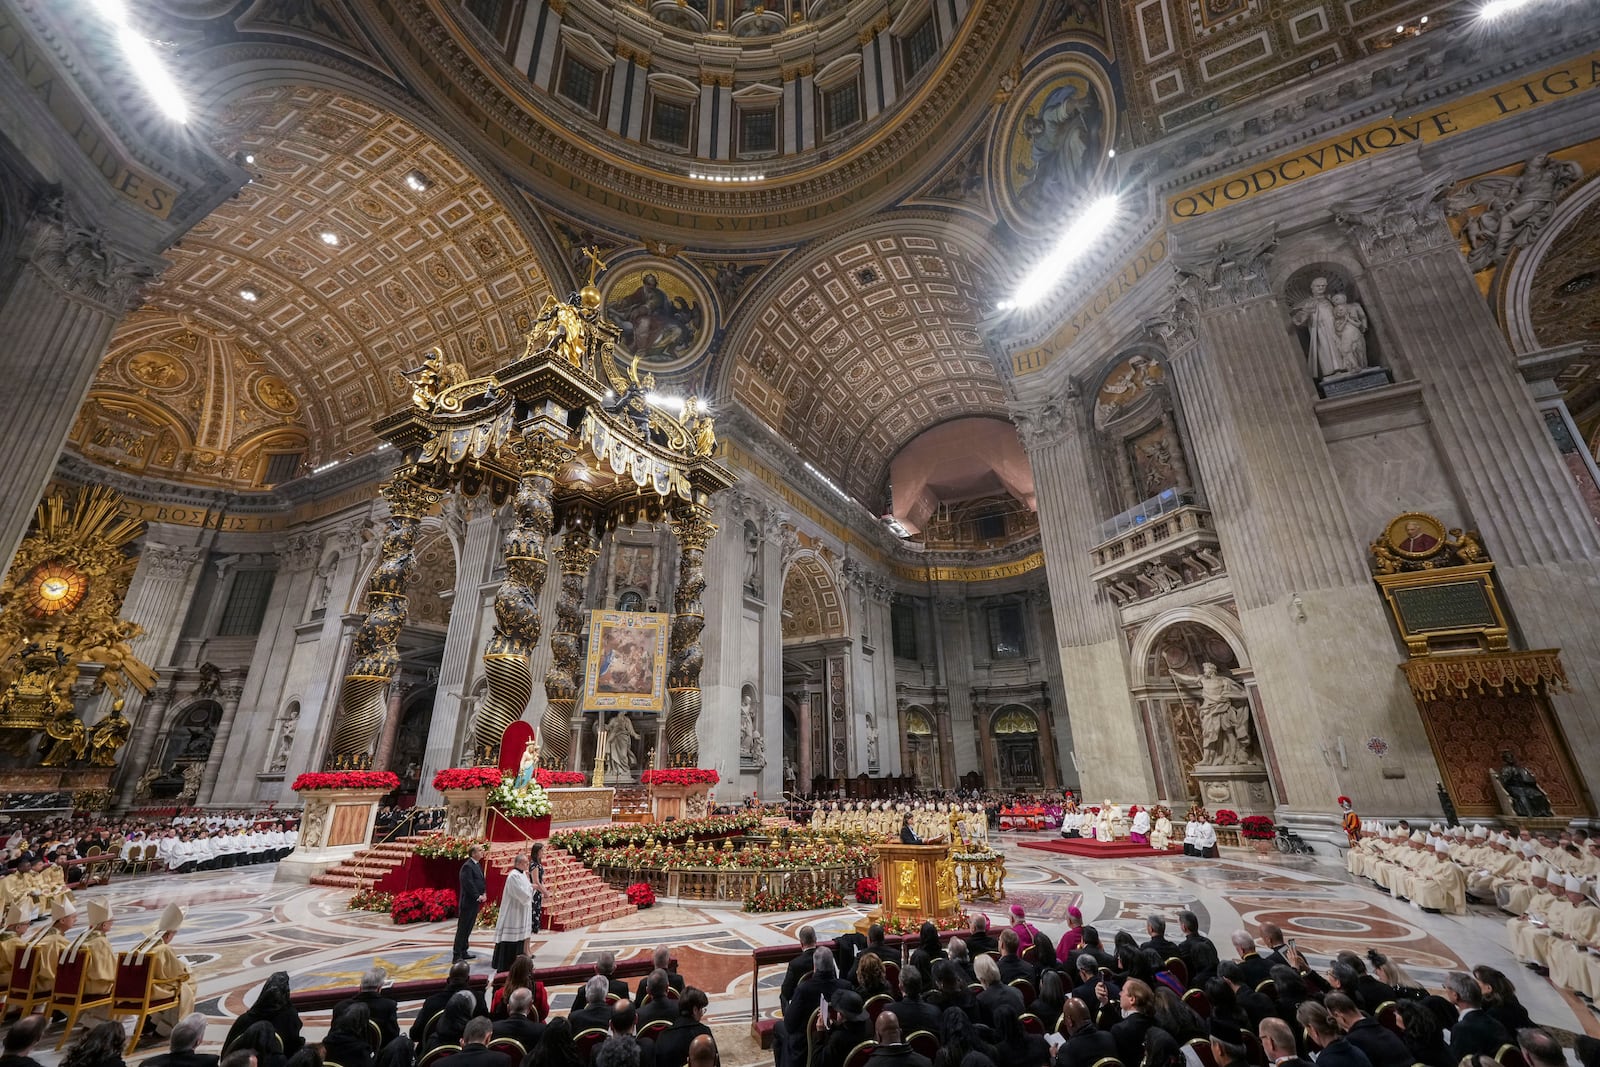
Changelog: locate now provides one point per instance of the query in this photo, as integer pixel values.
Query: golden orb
(589, 296)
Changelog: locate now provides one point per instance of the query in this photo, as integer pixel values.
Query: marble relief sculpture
(1515, 210)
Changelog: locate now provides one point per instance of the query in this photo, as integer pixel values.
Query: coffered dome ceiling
(320, 346)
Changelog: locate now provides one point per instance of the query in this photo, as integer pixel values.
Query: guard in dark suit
(519, 1025)
(1476, 1033)
(473, 892)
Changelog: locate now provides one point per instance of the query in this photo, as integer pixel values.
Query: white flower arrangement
(529, 802)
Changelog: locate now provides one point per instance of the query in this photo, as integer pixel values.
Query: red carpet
(1081, 846)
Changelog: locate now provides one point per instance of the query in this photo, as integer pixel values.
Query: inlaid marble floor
(242, 926)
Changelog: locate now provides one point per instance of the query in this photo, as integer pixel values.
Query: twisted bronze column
(516, 603)
(693, 528)
(376, 646)
(578, 553)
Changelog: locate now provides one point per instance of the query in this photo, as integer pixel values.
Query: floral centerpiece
(901, 924)
(467, 778)
(446, 847)
(867, 890)
(552, 779)
(488, 916)
(806, 898)
(423, 906)
(641, 895)
(528, 802)
(384, 780)
(371, 900)
(1226, 817)
(1257, 828)
(583, 842)
(681, 776)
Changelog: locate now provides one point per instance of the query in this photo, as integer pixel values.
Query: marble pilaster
(230, 696)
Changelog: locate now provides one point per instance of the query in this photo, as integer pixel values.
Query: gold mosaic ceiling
(336, 323)
(865, 344)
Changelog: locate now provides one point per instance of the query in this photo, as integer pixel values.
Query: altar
(918, 883)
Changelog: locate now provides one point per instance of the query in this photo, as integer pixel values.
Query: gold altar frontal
(916, 882)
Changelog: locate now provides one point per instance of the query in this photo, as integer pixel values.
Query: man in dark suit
(1277, 1041)
(605, 965)
(595, 1013)
(1012, 965)
(1276, 952)
(892, 1051)
(823, 983)
(380, 1009)
(1156, 927)
(1256, 1006)
(1256, 970)
(1086, 1043)
(473, 892)
(672, 1044)
(1091, 944)
(873, 944)
(1138, 1005)
(185, 1039)
(518, 1023)
(1087, 990)
(1320, 1028)
(660, 960)
(1227, 1043)
(995, 992)
(1382, 1045)
(624, 1023)
(661, 1005)
(981, 940)
(474, 1046)
(1476, 1032)
(1196, 950)
(913, 1012)
(799, 965)
(460, 977)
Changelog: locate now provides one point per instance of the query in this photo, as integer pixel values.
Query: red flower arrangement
(551, 779)
(867, 890)
(385, 780)
(1257, 828)
(1225, 817)
(423, 906)
(640, 894)
(681, 776)
(468, 778)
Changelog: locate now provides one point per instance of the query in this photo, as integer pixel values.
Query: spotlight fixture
(417, 181)
(147, 65)
(1496, 8)
(249, 295)
(330, 238)
(1077, 240)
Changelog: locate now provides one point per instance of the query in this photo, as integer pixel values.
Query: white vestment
(516, 909)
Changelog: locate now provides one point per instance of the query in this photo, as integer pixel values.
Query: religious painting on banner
(627, 667)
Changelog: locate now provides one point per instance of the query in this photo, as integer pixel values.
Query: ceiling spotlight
(417, 181)
(249, 295)
(249, 157)
(1496, 8)
(1075, 241)
(330, 238)
(1111, 153)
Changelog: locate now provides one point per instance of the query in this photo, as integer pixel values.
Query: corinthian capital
(1231, 273)
(1398, 221)
(299, 550)
(74, 253)
(1046, 422)
(171, 562)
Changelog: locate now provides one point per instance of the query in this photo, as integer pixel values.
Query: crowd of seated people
(1154, 1002)
(603, 1028)
(1549, 884)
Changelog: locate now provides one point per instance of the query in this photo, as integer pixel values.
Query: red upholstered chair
(1031, 1024)
(923, 1043)
(1025, 987)
(1178, 969)
(891, 974)
(1388, 1015)
(1511, 1056)
(133, 994)
(875, 1005)
(1202, 1049)
(510, 1048)
(69, 996)
(1198, 1002)
(20, 995)
(858, 1055)
(588, 1041)
(434, 1055)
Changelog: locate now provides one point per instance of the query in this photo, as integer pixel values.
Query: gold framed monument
(627, 665)
(1439, 586)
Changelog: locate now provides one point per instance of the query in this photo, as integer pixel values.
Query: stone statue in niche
(872, 742)
(752, 558)
(751, 744)
(1335, 330)
(1224, 717)
(285, 741)
(1515, 210)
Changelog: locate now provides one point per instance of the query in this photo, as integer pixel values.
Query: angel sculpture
(109, 735)
(65, 738)
(1515, 210)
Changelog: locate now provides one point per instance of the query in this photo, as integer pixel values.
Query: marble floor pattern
(243, 925)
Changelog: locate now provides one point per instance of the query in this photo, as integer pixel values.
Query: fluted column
(1326, 666)
(1110, 758)
(693, 529)
(68, 290)
(1505, 471)
(231, 692)
(157, 599)
(141, 745)
(476, 545)
(376, 644)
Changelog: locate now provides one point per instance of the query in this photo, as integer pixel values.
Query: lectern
(917, 882)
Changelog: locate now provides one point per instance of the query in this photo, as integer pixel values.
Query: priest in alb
(515, 926)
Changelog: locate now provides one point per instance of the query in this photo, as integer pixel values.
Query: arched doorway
(816, 669)
(922, 747)
(1015, 731)
(411, 742)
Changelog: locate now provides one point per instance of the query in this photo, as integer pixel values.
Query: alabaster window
(841, 107)
(758, 131)
(282, 467)
(903, 628)
(1006, 640)
(918, 48)
(670, 123)
(580, 83)
(247, 604)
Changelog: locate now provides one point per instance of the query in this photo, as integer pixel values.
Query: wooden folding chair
(133, 994)
(69, 995)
